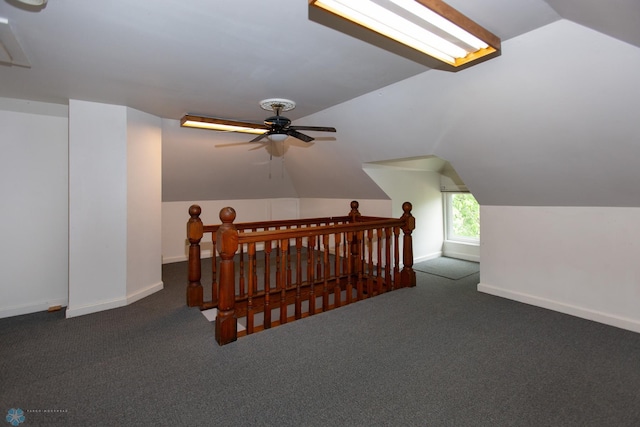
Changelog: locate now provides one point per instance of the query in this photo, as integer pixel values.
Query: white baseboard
(75, 311)
(204, 253)
(32, 308)
(114, 303)
(584, 313)
(172, 259)
(432, 255)
(131, 298)
(182, 258)
(461, 255)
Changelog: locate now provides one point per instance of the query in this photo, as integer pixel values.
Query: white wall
(318, 208)
(422, 189)
(581, 261)
(467, 251)
(97, 207)
(176, 214)
(144, 201)
(33, 218)
(114, 206)
(201, 164)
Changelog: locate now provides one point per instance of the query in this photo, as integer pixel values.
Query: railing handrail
(267, 235)
(212, 228)
(358, 239)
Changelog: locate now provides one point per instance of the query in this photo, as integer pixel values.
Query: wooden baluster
(370, 290)
(347, 244)
(252, 287)
(337, 291)
(379, 278)
(278, 256)
(387, 258)
(267, 285)
(327, 272)
(289, 276)
(255, 272)
(298, 310)
(396, 258)
(241, 290)
(194, 235)
(319, 259)
(310, 276)
(283, 278)
(345, 254)
(227, 241)
(357, 265)
(214, 280)
(408, 276)
(346, 268)
(354, 216)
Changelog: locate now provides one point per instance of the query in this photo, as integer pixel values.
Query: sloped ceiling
(544, 125)
(552, 124)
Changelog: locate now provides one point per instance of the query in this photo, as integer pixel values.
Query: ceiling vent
(10, 51)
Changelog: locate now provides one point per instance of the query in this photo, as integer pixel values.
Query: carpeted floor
(433, 355)
(448, 267)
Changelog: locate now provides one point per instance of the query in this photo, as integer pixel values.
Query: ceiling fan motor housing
(277, 122)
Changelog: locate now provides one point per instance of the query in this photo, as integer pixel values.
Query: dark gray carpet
(434, 355)
(448, 267)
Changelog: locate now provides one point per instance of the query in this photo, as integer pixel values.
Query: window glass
(462, 217)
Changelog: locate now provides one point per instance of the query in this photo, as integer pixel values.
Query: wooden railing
(295, 268)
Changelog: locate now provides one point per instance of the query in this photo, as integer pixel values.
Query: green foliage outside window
(465, 215)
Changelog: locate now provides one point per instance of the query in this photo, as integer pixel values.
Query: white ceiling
(170, 57)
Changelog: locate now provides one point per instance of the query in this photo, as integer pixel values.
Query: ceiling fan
(275, 128)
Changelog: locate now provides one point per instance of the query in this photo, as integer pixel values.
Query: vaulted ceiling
(170, 57)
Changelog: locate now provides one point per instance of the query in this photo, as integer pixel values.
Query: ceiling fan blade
(316, 128)
(259, 137)
(258, 147)
(225, 125)
(301, 136)
(231, 144)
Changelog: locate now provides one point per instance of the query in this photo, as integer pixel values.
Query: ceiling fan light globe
(278, 137)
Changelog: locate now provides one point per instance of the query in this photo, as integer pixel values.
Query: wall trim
(94, 308)
(172, 259)
(204, 254)
(152, 289)
(427, 257)
(114, 303)
(32, 308)
(461, 255)
(584, 313)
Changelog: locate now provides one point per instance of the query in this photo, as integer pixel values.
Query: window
(462, 218)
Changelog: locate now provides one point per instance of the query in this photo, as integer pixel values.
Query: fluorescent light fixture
(222, 124)
(34, 2)
(429, 26)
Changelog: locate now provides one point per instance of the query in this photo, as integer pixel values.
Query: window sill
(462, 242)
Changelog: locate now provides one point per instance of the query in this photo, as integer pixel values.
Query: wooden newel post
(227, 243)
(407, 275)
(354, 216)
(194, 235)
